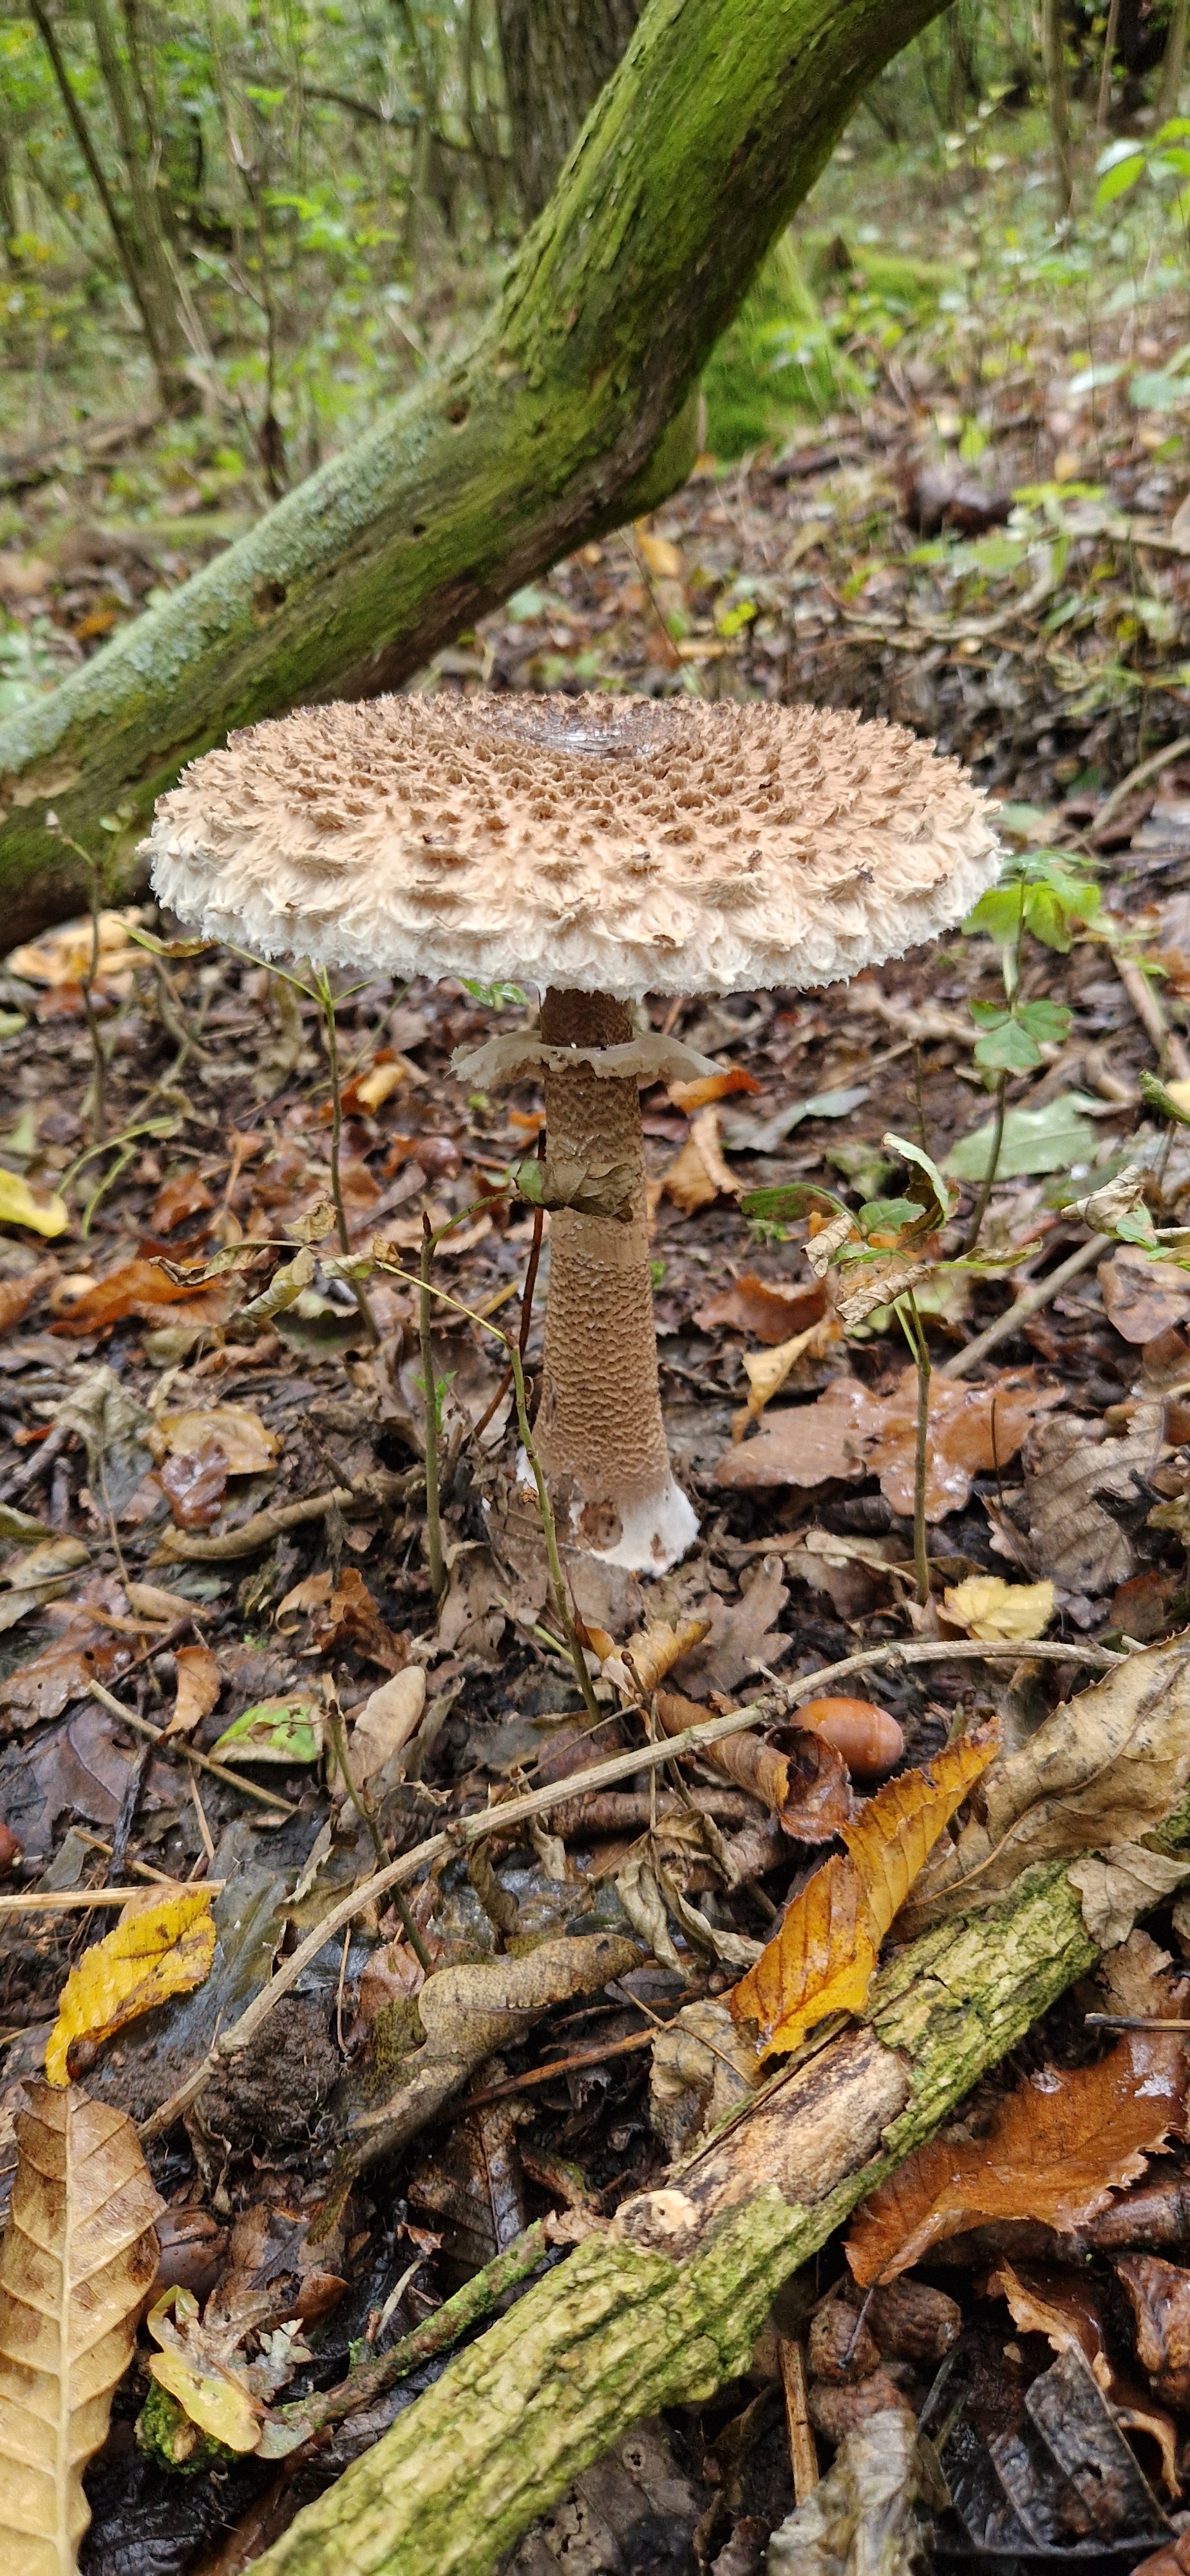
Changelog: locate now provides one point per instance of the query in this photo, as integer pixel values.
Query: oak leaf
(821, 1960)
(80, 2251)
(164, 1951)
(1056, 2151)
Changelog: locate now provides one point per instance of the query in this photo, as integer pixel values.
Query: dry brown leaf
(44, 1686)
(351, 1618)
(248, 1449)
(309, 1594)
(865, 1287)
(851, 1433)
(149, 1601)
(711, 1086)
(1068, 1463)
(80, 2251)
(699, 1173)
(162, 1950)
(766, 1307)
(17, 1295)
(796, 1773)
(767, 1371)
(143, 1289)
(1064, 2307)
(198, 1688)
(1056, 2151)
(641, 1666)
(184, 1195)
(387, 1722)
(1143, 1298)
(1160, 2295)
(1116, 1886)
(821, 1960)
(1103, 1768)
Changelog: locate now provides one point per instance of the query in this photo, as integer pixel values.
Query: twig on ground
(775, 1705)
(636, 2039)
(80, 1900)
(429, 1388)
(1169, 1048)
(1138, 777)
(257, 1532)
(1095, 1249)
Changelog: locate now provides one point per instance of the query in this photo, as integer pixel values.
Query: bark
(668, 2307)
(557, 55)
(1173, 69)
(568, 415)
(158, 296)
(1053, 50)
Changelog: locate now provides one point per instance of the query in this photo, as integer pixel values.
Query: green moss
(167, 2437)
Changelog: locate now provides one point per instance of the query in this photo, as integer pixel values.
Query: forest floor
(215, 1521)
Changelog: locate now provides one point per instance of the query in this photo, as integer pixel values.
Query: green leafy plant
(1039, 893)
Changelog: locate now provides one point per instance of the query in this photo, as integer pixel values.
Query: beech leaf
(821, 1960)
(80, 2252)
(161, 1951)
(1056, 2151)
(199, 1685)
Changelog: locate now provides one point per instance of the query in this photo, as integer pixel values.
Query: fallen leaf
(1104, 1768)
(767, 1371)
(1118, 1885)
(1069, 1463)
(1056, 2151)
(850, 1433)
(860, 2516)
(191, 2368)
(699, 1173)
(195, 1484)
(741, 1636)
(1064, 2307)
(387, 1722)
(821, 1960)
(371, 1090)
(310, 1594)
(80, 2251)
(184, 1195)
(149, 1601)
(248, 1449)
(166, 1950)
(1142, 1298)
(1160, 2295)
(641, 1666)
(351, 1619)
(1052, 1139)
(17, 1295)
(63, 1671)
(275, 1730)
(63, 955)
(791, 1770)
(711, 1086)
(143, 1289)
(663, 558)
(19, 1206)
(198, 1688)
(988, 1607)
(764, 1307)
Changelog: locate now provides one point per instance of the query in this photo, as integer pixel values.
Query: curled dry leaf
(198, 1688)
(79, 2254)
(821, 1960)
(795, 1772)
(1056, 2151)
(195, 1484)
(1118, 1885)
(141, 1288)
(851, 1433)
(351, 1618)
(387, 1722)
(1103, 1768)
(1160, 2295)
(1141, 1297)
(860, 2516)
(988, 1607)
(711, 1086)
(248, 1449)
(17, 1295)
(699, 1173)
(165, 1950)
(769, 1308)
(867, 1286)
(768, 1370)
(641, 1665)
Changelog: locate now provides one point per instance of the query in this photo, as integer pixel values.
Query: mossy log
(668, 2306)
(572, 411)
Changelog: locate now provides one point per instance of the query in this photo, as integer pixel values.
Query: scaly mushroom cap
(614, 845)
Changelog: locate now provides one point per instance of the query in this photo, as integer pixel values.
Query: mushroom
(601, 848)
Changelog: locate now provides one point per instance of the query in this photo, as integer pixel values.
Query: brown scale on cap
(601, 848)
(601, 844)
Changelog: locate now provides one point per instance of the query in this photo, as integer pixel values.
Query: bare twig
(429, 1388)
(1139, 777)
(775, 1705)
(80, 1900)
(1169, 1048)
(173, 1744)
(326, 1000)
(1030, 1304)
(986, 1186)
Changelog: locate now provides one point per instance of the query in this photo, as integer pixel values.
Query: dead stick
(775, 1705)
(459, 2108)
(803, 2451)
(1168, 1047)
(258, 1531)
(168, 1743)
(65, 1900)
(1095, 1249)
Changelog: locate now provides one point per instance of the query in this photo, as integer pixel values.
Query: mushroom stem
(599, 1427)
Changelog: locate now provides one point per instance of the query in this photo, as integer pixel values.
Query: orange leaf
(138, 1288)
(822, 1958)
(198, 1689)
(711, 1086)
(894, 1834)
(1056, 2151)
(820, 1962)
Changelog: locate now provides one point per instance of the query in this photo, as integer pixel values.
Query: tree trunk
(558, 55)
(564, 419)
(667, 2307)
(157, 290)
(1173, 69)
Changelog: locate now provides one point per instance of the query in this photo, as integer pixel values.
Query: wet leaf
(851, 1433)
(164, 1950)
(1056, 2151)
(821, 1960)
(1160, 2295)
(765, 1307)
(210, 2394)
(195, 1483)
(79, 2254)
(198, 1688)
(274, 1730)
(988, 1607)
(19, 1206)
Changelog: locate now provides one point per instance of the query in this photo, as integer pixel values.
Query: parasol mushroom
(601, 848)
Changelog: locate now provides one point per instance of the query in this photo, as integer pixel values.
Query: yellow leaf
(663, 559)
(988, 1607)
(376, 1087)
(167, 1951)
(641, 1665)
(768, 1370)
(822, 1958)
(80, 2252)
(19, 1207)
(893, 1835)
(218, 2405)
(1179, 1093)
